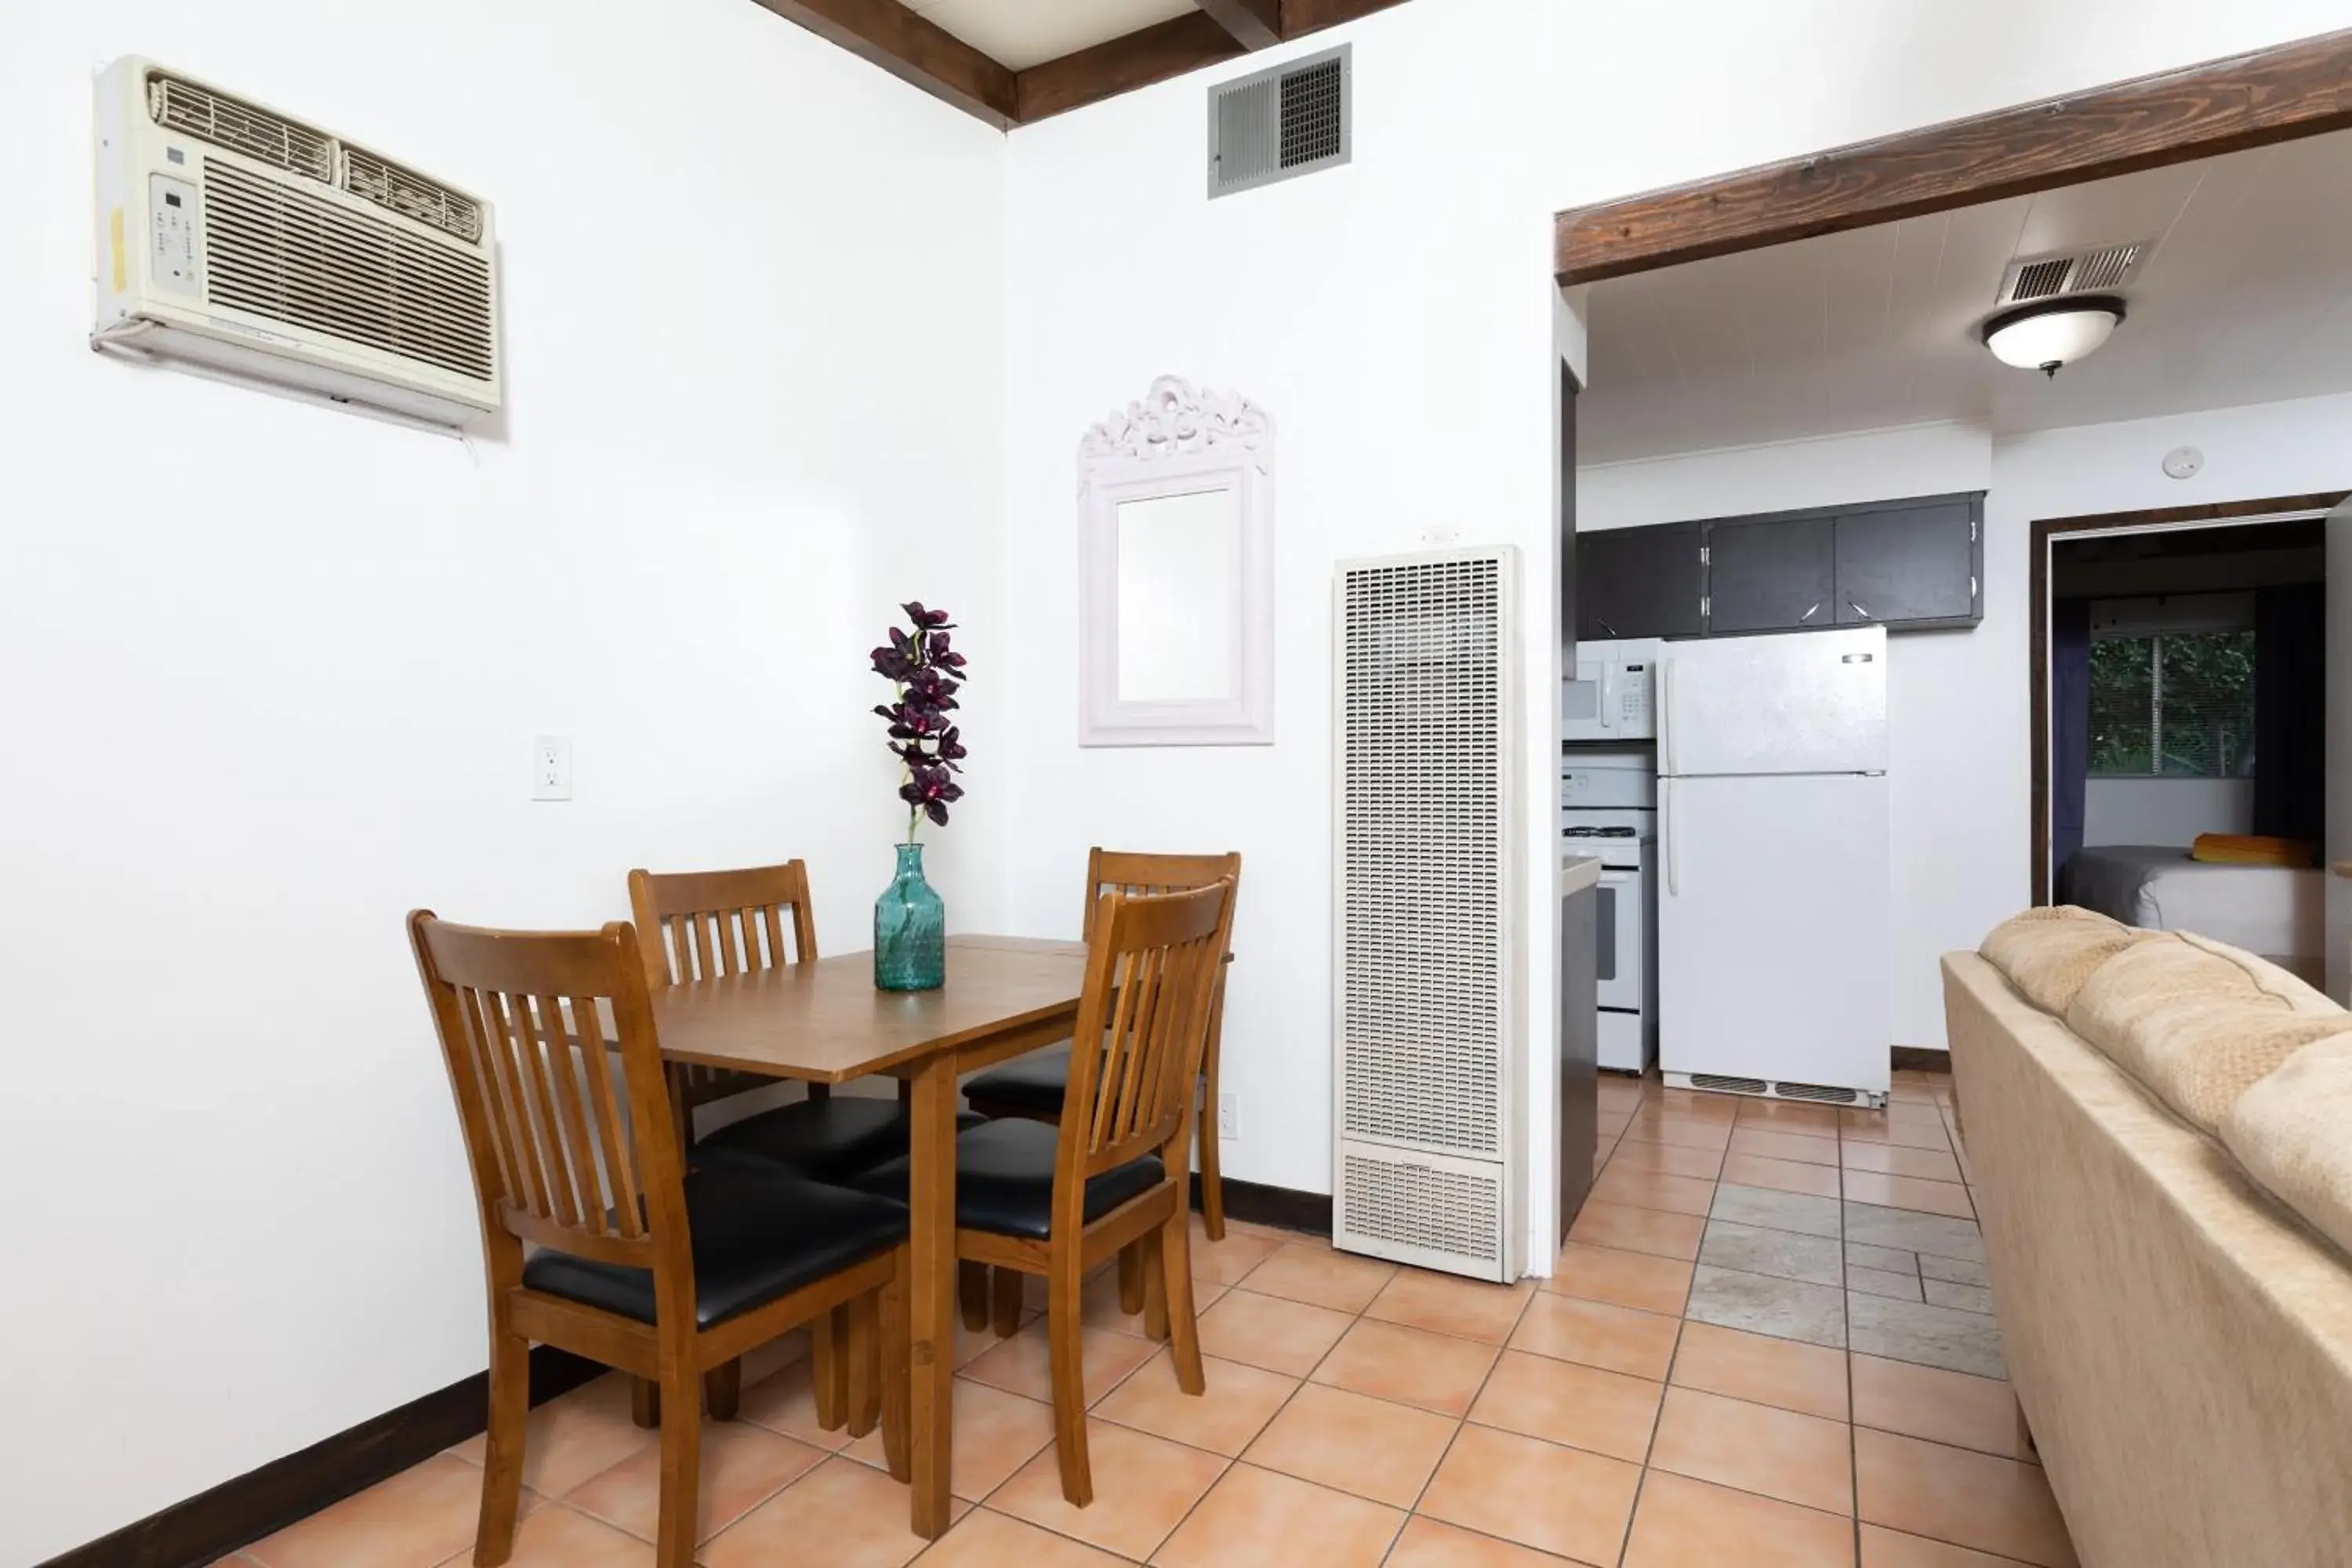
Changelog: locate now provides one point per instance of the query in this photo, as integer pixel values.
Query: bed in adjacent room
(2278, 912)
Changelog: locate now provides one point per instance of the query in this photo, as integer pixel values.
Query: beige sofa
(2180, 1338)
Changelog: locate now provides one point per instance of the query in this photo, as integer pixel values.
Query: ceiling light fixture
(2051, 332)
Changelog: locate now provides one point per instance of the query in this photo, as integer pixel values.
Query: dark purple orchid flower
(927, 672)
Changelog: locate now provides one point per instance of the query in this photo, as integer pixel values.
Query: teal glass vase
(910, 930)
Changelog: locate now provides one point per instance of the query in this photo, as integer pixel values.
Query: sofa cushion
(2048, 953)
(2288, 1132)
(2298, 994)
(2195, 1025)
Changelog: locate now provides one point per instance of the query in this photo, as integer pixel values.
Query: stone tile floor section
(1767, 1345)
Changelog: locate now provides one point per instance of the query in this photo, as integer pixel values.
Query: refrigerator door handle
(1665, 715)
(1666, 832)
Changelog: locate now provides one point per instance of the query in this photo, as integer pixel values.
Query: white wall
(254, 715)
(2165, 811)
(1395, 316)
(1958, 702)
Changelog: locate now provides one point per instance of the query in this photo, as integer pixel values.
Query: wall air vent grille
(1451, 1211)
(223, 120)
(1282, 122)
(2047, 277)
(273, 251)
(387, 184)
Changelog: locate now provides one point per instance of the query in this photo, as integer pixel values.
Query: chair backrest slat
(708, 925)
(1151, 970)
(558, 1158)
(1129, 871)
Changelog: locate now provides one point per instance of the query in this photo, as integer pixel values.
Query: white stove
(1608, 809)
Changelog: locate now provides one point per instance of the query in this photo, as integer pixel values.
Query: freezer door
(1774, 957)
(1805, 702)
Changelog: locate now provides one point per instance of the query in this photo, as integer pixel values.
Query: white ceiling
(2247, 298)
(1024, 33)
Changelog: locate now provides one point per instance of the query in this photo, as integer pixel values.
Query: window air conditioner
(235, 239)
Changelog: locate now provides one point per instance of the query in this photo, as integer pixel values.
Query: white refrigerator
(1775, 959)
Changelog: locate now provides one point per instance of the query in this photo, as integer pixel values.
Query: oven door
(1589, 701)
(1619, 929)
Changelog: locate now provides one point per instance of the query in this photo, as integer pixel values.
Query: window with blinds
(2173, 705)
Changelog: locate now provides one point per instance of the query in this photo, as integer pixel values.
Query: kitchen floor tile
(1804, 1148)
(1955, 1270)
(1910, 1232)
(1685, 1523)
(418, 1517)
(1449, 1304)
(988, 1540)
(559, 1538)
(1628, 1230)
(1884, 1548)
(1966, 1298)
(1426, 1544)
(1616, 1339)
(1785, 1373)
(1800, 1212)
(1682, 1131)
(1782, 1454)
(1909, 1192)
(1556, 1500)
(1654, 1190)
(859, 1513)
(1789, 1116)
(1930, 1336)
(584, 1432)
(1144, 1486)
(1894, 1160)
(1370, 1447)
(1761, 1304)
(1781, 1176)
(1953, 1495)
(1019, 1366)
(1889, 1259)
(742, 1467)
(1948, 1407)
(1412, 1366)
(1901, 1287)
(1622, 1279)
(1816, 1259)
(1670, 1159)
(1224, 1418)
(995, 1434)
(1224, 1262)
(1319, 1274)
(1287, 1336)
(1257, 1519)
(1562, 1401)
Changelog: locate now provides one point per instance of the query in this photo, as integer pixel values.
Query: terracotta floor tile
(1806, 1147)
(1777, 1453)
(1316, 1273)
(1561, 1402)
(1670, 1159)
(1224, 1262)
(1895, 1160)
(1622, 1279)
(1371, 1448)
(1287, 1336)
(1412, 1366)
(1629, 1229)
(1539, 1494)
(1909, 1192)
(1233, 1409)
(1684, 1524)
(1789, 1116)
(742, 1467)
(1426, 1544)
(995, 1434)
(1966, 1498)
(1695, 1104)
(1256, 1519)
(1884, 1548)
(1911, 1131)
(1449, 1304)
(786, 1402)
(1682, 1131)
(1781, 1176)
(1618, 1339)
(1784, 1373)
(584, 1434)
(986, 1539)
(1144, 1486)
(419, 1517)
(858, 1511)
(1941, 1406)
(559, 1538)
(1019, 1366)
(1654, 1190)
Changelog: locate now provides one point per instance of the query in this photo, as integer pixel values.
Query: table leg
(932, 1289)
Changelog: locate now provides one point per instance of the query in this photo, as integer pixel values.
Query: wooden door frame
(2046, 529)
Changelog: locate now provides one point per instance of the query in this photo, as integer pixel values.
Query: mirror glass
(1179, 596)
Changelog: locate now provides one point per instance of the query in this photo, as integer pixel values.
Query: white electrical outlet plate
(1229, 1117)
(551, 767)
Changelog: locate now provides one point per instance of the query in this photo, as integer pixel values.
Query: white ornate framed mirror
(1176, 573)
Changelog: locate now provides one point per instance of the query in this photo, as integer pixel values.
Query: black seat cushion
(1004, 1179)
(830, 1139)
(1031, 1085)
(759, 1233)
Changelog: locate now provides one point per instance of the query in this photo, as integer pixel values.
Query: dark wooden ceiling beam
(1254, 23)
(1303, 16)
(1167, 50)
(2301, 88)
(914, 50)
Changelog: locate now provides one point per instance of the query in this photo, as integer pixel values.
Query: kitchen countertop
(1578, 872)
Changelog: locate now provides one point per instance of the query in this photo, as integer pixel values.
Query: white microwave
(1611, 696)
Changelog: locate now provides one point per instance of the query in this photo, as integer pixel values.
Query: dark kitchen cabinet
(1918, 566)
(1776, 574)
(1639, 583)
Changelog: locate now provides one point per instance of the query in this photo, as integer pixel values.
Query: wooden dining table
(824, 1022)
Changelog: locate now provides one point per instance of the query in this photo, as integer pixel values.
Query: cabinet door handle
(1862, 610)
(1810, 614)
(1606, 626)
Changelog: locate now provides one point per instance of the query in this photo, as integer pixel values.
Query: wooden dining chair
(1055, 1200)
(640, 1264)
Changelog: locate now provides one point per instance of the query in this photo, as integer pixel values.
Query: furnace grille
(1434, 1211)
(1274, 124)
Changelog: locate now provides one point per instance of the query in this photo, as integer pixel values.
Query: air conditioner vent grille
(216, 118)
(1283, 122)
(2105, 269)
(1422, 733)
(279, 253)
(1311, 100)
(388, 185)
(2047, 276)
(2042, 279)
(1397, 1202)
